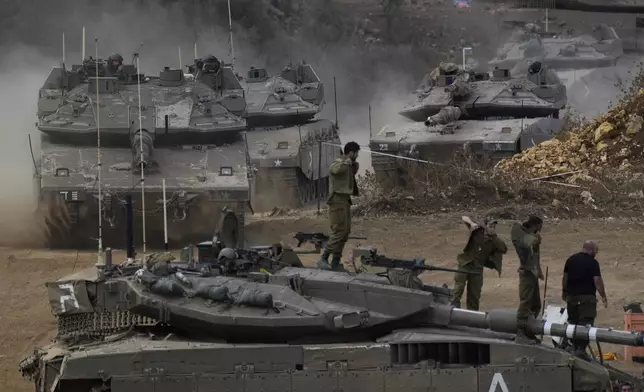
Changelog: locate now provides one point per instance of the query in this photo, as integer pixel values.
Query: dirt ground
(25, 319)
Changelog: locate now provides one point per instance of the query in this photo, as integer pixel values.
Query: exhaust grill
(450, 353)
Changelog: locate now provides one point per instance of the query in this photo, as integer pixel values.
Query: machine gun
(369, 257)
(317, 239)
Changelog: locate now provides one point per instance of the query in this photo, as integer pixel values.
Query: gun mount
(369, 257)
(317, 239)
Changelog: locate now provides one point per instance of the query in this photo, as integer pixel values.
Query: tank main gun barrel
(446, 115)
(369, 256)
(142, 155)
(504, 320)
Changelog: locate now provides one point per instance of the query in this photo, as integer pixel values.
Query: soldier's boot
(523, 337)
(323, 261)
(336, 263)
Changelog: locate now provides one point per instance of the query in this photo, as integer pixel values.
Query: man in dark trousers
(342, 186)
(527, 241)
(581, 280)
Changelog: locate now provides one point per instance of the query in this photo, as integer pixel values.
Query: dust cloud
(22, 72)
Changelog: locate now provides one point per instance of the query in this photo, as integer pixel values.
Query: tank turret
(601, 46)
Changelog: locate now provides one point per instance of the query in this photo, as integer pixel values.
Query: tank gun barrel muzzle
(504, 320)
(143, 146)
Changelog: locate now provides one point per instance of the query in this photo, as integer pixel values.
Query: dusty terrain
(25, 319)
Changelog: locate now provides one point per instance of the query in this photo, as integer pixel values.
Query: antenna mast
(83, 46)
(63, 49)
(180, 61)
(230, 29)
(98, 159)
(196, 57)
(138, 72)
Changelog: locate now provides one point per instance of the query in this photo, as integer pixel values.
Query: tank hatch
(106, 85)
(256, 75)
(170, 77)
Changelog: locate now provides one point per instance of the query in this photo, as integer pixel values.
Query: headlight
(62, 172)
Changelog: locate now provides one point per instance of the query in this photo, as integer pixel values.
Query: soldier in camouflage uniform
(342, 186)
(115, 63)
(527, 240)
(484, 249)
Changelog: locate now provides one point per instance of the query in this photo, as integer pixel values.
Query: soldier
(527, 240)
(581, 281)
(483, 246)
(115, 63)
(342, 186)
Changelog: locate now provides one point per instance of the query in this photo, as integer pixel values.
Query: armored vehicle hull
(186, 132)
(292, 163)
(490, 141)
(602, 48)
(196, 192)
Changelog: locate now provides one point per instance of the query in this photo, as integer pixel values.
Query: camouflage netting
(609, 145)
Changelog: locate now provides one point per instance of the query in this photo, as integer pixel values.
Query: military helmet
(115, 57)
(227, 253)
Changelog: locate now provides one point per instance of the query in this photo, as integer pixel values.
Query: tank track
(98, 325)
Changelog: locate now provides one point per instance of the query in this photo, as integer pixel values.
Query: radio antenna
(83, 46)
(230, 30)
(138, 73)
(63, 49)
(98, 158)
(180, 61)
(196, 50)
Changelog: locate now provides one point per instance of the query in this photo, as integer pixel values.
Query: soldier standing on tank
(526, 239)
(342, 186)
(115, 63)
(482, 245)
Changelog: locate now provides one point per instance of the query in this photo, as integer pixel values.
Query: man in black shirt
(581, 280)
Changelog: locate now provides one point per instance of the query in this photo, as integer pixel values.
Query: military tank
(289, 147)
(560, 50)
(489, 117)
(187, 132)
(538, 92)
(242, 322)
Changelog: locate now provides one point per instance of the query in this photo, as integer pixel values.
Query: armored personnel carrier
(289, 147)
(184, 131)
(243, 323)
(560, 50)
(494, 116)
